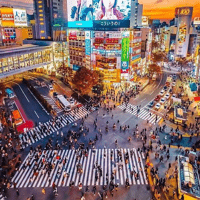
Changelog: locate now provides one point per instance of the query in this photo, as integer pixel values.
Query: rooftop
(189, 182)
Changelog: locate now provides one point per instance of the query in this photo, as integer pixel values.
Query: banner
(20, 17)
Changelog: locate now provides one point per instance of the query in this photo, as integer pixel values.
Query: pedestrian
(43, 191)
(17, 192)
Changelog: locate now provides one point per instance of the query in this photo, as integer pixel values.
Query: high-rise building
(43, 19)
(136, 14)
(184, 19)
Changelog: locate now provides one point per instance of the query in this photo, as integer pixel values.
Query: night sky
(157, 9)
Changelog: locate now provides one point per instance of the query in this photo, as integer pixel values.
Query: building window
(40, 10)
(42, 31)
(42, 38)
(41, 23)
(41, 19)
(41, 15)
(40, 6)
(39, 1)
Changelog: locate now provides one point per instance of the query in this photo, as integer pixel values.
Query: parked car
(157, 107)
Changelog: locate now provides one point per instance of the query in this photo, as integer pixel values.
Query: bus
(17, 117)
(64, 103)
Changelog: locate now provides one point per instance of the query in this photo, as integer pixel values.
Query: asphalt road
(33, 109)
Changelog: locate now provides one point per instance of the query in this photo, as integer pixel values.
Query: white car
(174, 95)
(162, 101)
(157, 107)
(167, 96)
(50, 87)
(161, 92)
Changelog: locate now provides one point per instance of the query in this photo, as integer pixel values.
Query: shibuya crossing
(99, 100)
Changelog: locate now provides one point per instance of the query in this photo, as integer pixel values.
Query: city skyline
(156, 9)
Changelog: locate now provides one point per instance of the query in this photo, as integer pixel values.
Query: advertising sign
(182, 34)
(20, 17)
(196, 20)
(7, 17)
(125, 49)
(80, 13)
(183, 11)
(145, 21)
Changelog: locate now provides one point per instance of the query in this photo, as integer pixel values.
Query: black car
(55, 94)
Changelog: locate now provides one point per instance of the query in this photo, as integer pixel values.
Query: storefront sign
(124, 65)
(145, 21)
(20, 17)
(7, 17)
(196, 20)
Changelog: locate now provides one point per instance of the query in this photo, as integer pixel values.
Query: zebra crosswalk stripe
(143, 114)
(63, 120)
(25, 176)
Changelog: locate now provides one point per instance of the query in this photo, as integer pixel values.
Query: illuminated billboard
(183, 11)
(111, 13)
(7, 17)
(80, 13)
(182, 34)
(20, 17)
(196, 20)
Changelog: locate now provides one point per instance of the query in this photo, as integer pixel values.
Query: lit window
(41, 15)
(39, 1)
(41, 19)
(41, 23)
(41, 10)
(42, 37)
(40, 6)
(42, 31)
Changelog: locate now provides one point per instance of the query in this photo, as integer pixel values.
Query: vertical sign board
(125, 54)
(87, 43)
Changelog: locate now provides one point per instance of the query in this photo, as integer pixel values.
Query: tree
(2, 90)
(155, 45)
(85, 79)
(159, 57)
(154, 68)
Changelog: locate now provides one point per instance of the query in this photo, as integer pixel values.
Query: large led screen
(80, 13)
(112, 9)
